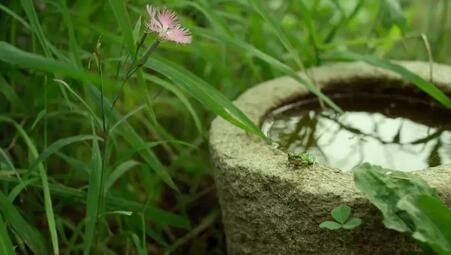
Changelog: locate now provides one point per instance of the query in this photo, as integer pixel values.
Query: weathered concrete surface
(269, 208)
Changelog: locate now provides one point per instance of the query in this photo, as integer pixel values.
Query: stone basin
(270, 208)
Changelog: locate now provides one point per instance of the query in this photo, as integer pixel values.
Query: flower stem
(133, 69)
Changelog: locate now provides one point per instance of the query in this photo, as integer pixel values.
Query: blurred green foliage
(161, 129)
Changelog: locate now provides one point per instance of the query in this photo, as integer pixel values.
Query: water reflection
(394, 132)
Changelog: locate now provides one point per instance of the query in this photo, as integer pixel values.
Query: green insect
(301, 159)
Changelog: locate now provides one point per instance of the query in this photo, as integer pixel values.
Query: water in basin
(394, 131)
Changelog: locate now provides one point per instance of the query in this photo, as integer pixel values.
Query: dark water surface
(395, 131)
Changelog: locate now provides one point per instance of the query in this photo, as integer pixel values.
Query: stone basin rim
(238, 150)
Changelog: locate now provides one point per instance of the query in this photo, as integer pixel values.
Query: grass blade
(93, 198)
(203, 92)
(6, 246)
(10, 164)
(35, 26)
(134, 139)
(152, 212)
(120, 12)
(178, 93)
(15, 16)
(249, 49)
(10, 94)
(73, 44)
(56, 146)
(30, 11)
(31, 236)
(416, 80)
(23, 59)
(45, 183)
(118, 172)
(262, 9)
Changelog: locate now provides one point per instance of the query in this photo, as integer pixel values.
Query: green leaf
(212, 99)
(94, 197)
(73, 43)
(341, 213)
(56, 146)
(10, 94)
(385, 188)
(178, 93)
(120, 12)
(39, 117)
(23, 59)
(15, 16)
(118, 172)
(30, 11)
(44, 180)
(153, 213)
(31, 236)
(331, 225)
(352, 223)
(432, 220)
(275, 63)
(127, 131)
(6, 246)
(415, 79)
(275, 25)
(137, 30)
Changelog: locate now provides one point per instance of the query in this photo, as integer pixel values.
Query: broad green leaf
(212, 99)
(30, 235)
(416, 80)
(6, 246)
(331, 225)
(341, 213)
(432, 220)
(352, 223)
(385, 188)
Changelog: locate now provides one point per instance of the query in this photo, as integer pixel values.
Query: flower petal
(168, 19)
(153, 25)
(178, 35)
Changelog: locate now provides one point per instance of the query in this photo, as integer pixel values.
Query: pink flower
(165, 24)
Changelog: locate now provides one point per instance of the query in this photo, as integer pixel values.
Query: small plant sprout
(343, 219)
(301, 159)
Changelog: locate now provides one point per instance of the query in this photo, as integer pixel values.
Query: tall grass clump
(103, 125)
